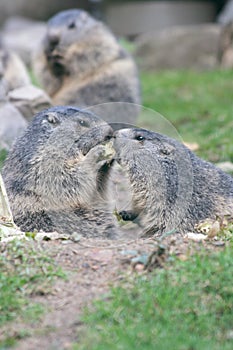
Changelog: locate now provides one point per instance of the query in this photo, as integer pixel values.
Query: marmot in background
(56, 174)
(172, 188)
(81, 63)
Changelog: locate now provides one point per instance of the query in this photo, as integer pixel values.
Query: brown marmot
(80, 62)
(56, 174)
(172, 188)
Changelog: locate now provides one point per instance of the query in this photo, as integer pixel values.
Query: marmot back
(81, 63)
(56, 174)
(172, 188)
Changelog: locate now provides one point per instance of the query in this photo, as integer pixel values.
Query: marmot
(81, 63)
(172, 188)
(56, 174)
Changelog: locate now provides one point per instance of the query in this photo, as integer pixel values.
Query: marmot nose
(53, 40)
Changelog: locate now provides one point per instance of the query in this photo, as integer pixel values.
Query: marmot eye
(83, 123)
(139, 138)
(71, 25)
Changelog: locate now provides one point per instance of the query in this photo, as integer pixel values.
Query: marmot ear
(52, 118)
(167, 149)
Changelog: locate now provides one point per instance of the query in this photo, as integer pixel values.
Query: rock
(3, 89)
(23, 36)
(226, 15)
(13, 73)
(226, 46)
(36, 9)
(29, 100)
(5, 211)
(180, 47)
(12, 124)
(196, 237)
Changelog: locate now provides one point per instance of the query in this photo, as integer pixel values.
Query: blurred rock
(36, 9)
(29, 100)
(226, 46)
(179, 48)
(23, 36)
(12, 124)
(18, 98)
(226, 15)
(13, 73)
(130, 18)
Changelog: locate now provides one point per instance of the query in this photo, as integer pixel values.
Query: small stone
(197, 237)
(219, 244)
(182, 257)
(139, 267)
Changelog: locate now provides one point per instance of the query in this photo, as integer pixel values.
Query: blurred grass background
(198, 104)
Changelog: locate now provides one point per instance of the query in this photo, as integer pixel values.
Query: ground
(92, 267)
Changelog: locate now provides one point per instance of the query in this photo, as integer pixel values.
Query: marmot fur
(56, 173)
(172, 188)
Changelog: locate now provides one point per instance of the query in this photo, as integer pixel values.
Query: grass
(198, 104)
(3, 154)
(25, 271)
(186, 306)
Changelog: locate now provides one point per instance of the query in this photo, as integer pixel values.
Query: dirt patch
(92, 267)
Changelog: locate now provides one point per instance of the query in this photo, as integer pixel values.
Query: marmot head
(71, 36)
(135, 144)
(62, 130)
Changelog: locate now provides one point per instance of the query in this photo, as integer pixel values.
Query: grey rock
(23, 36)
(29, 100)
(13, 73)
(36, 9)
(179, 47)
(226, 15)
(226, 46)
(12, 124)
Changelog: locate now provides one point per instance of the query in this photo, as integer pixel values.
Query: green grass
(3, 154)
(25, 270)
(33, 78)
(186, 306)
(198, 104)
